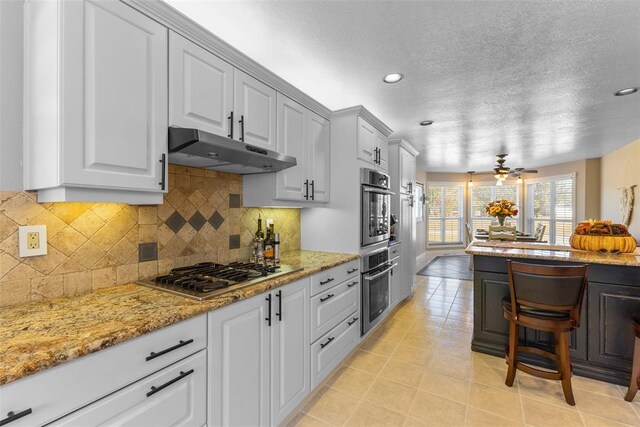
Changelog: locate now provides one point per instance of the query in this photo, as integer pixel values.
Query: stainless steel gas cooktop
(207, 279)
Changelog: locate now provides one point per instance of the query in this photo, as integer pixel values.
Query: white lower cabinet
(331, 349)
(397, 287)
(175, 396)
(259, 357)
(56, 392)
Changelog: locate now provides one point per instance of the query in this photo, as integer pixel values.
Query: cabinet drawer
(333, 306)
(331, 349)
(329, 278)
(89, 378)
(175, 396)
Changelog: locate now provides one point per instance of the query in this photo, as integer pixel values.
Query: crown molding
(404, 144)
(359, 110)
(186, 27)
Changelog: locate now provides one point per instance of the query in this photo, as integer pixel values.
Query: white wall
(619, 169)
(11, 95)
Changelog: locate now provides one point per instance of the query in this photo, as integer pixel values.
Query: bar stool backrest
(549, 288)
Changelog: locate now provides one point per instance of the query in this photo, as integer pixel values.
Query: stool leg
(635, 372)
(512, 357)
(565, 366)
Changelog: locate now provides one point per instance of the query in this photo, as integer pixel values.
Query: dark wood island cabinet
(602, 347)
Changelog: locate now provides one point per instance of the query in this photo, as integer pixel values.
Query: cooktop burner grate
(208, 279)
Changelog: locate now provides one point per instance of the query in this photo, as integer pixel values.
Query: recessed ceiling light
(426, 123)
(627, 91)
(393, 78)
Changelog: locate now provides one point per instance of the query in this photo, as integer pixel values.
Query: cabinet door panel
(407, 171)
(119, 87)
(239, 364)
(292, 140)
(611, 335)
(255, 104)
(290, 357)
(407, 236)
(319, 156)
(577, 339)
(182, 403)
(200, 88)
(366, 141)
(397, 289)
(383, 146)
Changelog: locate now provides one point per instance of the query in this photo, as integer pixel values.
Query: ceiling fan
(502, 172)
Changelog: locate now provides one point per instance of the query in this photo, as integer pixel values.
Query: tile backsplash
(95, 245)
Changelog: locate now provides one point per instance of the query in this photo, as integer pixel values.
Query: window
(445, 213)
(485, 193)
(551, 203)
(418, 194)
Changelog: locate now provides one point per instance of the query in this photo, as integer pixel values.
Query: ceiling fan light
(520, 180)
(499, 182)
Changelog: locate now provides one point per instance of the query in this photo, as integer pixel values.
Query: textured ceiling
(534, 79)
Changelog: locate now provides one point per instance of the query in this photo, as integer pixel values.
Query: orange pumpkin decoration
(626, 244)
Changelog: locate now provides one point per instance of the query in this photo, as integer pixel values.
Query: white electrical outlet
(32, 240)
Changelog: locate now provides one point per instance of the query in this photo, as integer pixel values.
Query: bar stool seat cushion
(542, 314)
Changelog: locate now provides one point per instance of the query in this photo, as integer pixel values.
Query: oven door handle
(378, 190)
(385, 271)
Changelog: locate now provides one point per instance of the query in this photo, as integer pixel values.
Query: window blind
(445, 213)
(552, 204)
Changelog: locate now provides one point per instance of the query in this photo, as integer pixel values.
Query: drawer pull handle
(327, 281)
(182, 375)
(352, 284)
(153, 355)
(352, 271)
(354, 320)
(328, 297)
(323, 345)
(12, 416)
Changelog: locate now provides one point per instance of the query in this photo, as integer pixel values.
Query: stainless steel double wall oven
(376, 201)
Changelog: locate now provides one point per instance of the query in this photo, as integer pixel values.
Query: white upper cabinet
(95, 102)
(407, 171)
(318, 157)
(200, 88)
(292, 135)
(383, 151)
(254, 111)
(372, 145)
(367, 143)
(304, 135)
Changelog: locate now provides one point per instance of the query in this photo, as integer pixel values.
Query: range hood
(200, 149)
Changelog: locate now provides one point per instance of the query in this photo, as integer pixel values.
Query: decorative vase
(501, 219)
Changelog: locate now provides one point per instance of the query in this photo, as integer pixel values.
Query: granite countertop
(550, 252)
(37, 336)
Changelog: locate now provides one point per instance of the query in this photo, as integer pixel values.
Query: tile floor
(418, 369)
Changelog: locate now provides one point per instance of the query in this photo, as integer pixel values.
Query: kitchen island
(602, 347)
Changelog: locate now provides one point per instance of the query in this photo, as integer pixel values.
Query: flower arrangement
(501, 209)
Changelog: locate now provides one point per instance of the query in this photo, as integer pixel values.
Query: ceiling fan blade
(485, 173)
(528, 171)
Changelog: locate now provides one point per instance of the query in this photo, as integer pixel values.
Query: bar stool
(546, 298)
(635, 370)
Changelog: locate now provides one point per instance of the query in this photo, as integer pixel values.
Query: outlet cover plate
(22, 239)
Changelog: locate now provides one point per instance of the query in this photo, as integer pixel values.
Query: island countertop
(550, 252)
(37, 336)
